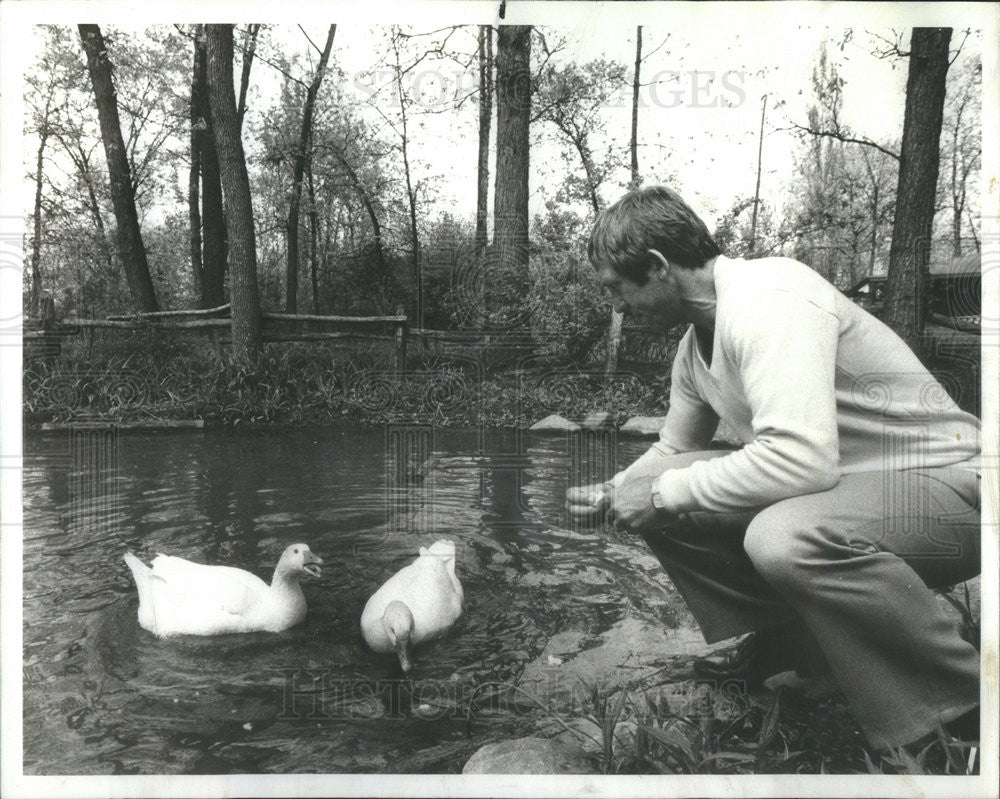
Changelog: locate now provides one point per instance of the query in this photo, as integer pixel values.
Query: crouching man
(856, 491)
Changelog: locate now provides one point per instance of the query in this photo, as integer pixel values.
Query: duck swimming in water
(418, 603)
(178, 597)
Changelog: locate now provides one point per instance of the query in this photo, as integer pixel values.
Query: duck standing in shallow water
(178, 597)
(418, 603)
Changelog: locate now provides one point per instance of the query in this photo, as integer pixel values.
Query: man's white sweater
(814, 387)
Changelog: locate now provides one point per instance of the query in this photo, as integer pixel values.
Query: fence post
(402, 333)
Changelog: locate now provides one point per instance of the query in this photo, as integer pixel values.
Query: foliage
(732, 732)
(568, 309)
(733, 233)
(572, 99)
(844, 193)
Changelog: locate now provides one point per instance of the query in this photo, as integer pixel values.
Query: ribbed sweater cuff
(675, 491)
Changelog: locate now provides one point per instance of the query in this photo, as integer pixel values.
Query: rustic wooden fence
(43, 337)
(47, 332)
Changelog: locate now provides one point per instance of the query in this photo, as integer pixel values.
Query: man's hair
(649, 218)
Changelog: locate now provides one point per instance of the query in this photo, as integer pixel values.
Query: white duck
(418, 603)
(178, 597)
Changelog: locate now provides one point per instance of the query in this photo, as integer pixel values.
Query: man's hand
(632, 507)
(589, 502)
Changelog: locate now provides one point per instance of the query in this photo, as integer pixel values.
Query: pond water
(102, 695)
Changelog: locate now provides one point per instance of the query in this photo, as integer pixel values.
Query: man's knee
(780, 544)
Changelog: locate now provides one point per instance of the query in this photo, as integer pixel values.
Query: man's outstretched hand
(632, 506)
(629, 507)
(589, 502)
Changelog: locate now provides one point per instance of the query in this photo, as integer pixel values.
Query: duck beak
(312, 565)
(403, 650)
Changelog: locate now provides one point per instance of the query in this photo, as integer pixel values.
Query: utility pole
(756, 194)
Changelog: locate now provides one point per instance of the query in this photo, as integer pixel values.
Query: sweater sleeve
(690, 422)
(785, 349)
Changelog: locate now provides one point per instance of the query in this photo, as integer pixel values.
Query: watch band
(655, 497)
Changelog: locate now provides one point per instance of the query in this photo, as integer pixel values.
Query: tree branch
(836, 134)
(958, 50)
(656, 49)
(308, 39)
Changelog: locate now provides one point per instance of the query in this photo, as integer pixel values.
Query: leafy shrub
(568, 310)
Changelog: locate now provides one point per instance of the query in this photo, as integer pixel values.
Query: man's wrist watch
(655, 497)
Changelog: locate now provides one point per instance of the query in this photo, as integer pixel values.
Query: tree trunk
(36, 242)
(83, 166)
(957, 189)
(313, 241)
(411, 192)
(194, 174)
(485, 117)
(510, 202)
(130, 246)
(298, 170)
(874, 238)
(366, 201)
(905, 295)
(615, 327)
(241, 106)
(588, 167)
(634, 142)
(213, 218)
(246, 324)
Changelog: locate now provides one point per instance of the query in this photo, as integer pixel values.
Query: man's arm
(786, 350)
(689, 426)
(690, 422)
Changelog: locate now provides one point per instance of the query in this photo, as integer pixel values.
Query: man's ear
(658, 264)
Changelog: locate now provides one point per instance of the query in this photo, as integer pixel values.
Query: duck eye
(296, 550)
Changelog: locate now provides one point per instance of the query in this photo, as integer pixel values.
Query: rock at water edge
(554, 423)
(597, 420)
(643, 426)
(528, 756)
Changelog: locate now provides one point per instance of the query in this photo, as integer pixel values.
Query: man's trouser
(856, 565)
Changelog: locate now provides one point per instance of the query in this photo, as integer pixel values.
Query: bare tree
(399, 72)
(248, 54)
(130, 246)
(42, 118)
(510, 205)
(634, 140)
(208, 226)
(485, 118)
(300, 159)
(246, 324)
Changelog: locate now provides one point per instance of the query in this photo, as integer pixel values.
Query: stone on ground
(529, 756)
(631, 650)
(642, 426)
(554, 423)
(597, 420)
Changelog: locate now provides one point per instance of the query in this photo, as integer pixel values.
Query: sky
(707, 69)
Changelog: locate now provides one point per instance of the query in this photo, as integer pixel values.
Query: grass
(775, 734)
(635, 729)
(307, 384)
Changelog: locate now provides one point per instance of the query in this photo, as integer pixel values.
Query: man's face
(654, 306)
